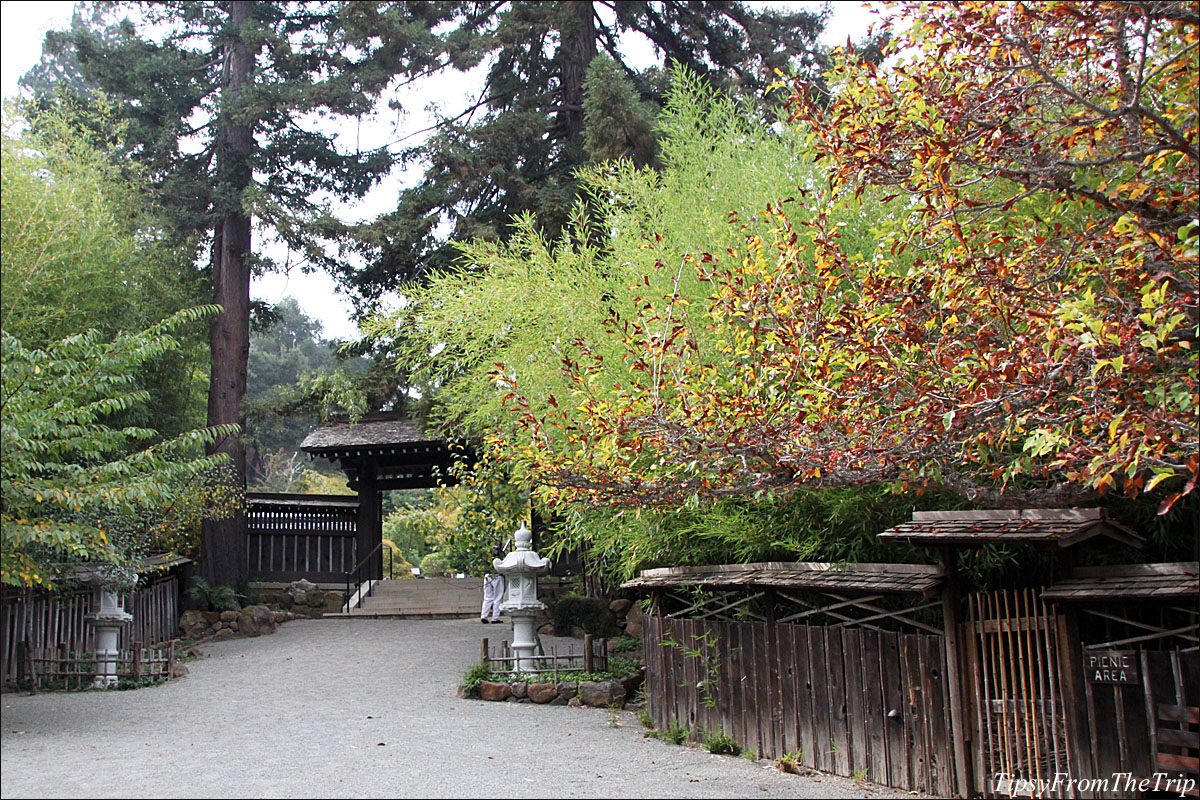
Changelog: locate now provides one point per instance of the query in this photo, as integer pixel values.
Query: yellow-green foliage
(73, 487)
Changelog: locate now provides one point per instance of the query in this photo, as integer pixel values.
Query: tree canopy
(1034, 346)
(1014, 319)
(515, 150)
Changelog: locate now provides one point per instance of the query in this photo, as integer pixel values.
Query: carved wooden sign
(1111, 666)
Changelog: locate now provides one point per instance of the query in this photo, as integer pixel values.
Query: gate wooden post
(959, 732)
(1070, 664)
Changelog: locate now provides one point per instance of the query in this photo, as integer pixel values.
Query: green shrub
(589, 613)
(720, 744)
(433, 565)
(625, 644)
(676, 733)
(213, 598)
(477, 674)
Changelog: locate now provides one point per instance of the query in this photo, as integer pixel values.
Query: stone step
(358, 612)
(423, 598)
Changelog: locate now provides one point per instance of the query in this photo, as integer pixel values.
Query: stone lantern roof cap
(523, 560)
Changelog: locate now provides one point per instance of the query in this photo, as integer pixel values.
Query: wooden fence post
(587, 652)
(135, 666)
(959, 733)
(483, 653)
(170, 659)
(1070, 665)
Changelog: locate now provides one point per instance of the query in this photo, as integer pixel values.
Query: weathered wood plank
(895, 738)
(839, 733)
(856, 728)
(914, 712)
(939, 745)
(806, 736)
(1185, 714)
(757, 684)
(818, 676)
(875, 721)
(786, 664)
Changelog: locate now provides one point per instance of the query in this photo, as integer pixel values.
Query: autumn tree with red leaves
(1026, 333)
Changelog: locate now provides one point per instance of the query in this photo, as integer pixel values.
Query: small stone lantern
(108, 619)
(520, 569)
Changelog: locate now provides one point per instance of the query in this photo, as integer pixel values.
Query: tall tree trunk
(576, 52)
(229, 337)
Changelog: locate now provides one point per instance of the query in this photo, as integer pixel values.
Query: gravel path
(354, 708)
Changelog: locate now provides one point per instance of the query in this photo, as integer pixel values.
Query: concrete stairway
(422, 598)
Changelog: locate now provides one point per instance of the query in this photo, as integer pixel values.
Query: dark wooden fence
(856, 702)
(862, 702)
(48, 623)
(301, 536)
(1118, 729)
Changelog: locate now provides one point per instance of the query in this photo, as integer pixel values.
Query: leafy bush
(76, 486)
(625, 644)
(213, 598)
(433, 565)
(477, 674)
(676, 733)
(719, 743)
(589, 613)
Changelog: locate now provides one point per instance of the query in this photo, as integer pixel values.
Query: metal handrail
(355, 579)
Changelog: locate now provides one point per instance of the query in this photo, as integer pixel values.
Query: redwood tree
(222, 101)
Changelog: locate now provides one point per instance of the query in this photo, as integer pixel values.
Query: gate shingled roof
(869, 578)
(1052, 527)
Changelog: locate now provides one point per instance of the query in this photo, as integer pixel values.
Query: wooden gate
(1012, 650)
(291, 536)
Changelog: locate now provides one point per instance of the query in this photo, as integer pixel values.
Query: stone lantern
(108, 619)
(520, 569)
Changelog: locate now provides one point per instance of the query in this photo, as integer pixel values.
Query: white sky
(23, 26)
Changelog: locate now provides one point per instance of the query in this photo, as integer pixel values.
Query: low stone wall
(250, 621)
(594, 694)
(295, 600)
(303, 598)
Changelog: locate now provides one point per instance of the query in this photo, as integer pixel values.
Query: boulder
(542, 692)
(631, 683)
(224, 633)
(300, 590)
(228, 616)
(620, 606)
(192, 625)
(634, 624)
(601, 694)
(333, 603)
(575, 702)
(301, 585)
(520, 691)
(494, 691)
(568, 689)
(256, 621)
(317, 599)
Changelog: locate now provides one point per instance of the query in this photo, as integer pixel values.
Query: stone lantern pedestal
(108, 620)
(520, 569)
